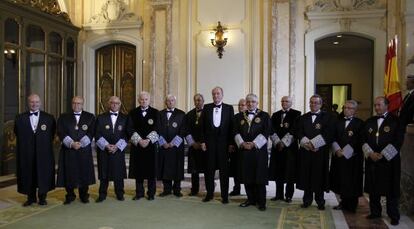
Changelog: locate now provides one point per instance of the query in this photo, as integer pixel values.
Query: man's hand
(203, 146)
(75, 145)
(144, 142)
(280, 146)
(339, 153)
(232, 149)
(166, 146)
(375, 156)
(196, 146)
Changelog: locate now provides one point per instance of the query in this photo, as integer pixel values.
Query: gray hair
(252, 96)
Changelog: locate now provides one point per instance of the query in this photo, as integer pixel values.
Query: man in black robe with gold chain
(35, 170)
(171, 151)
(143, 127)
(382, 138)
(111, 140)
(196, 157)
(76, 170)
(345, 175)
(251, 131)
(315, 132)
(283, 161)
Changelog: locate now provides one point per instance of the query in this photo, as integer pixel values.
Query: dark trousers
(139, 187)
(170, 185)
(237, 186)
(308, 198)
(290, 188)
(256, 193)
(118, 185)
(195, 182)
(392, 206)
(83, 192)
(224, 182)
(32, 195)
(349, 203)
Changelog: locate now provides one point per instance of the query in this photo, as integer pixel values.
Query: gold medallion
(318, 126)
(107, 127)
(174, 124)
(370, 130)
(281, 124)
(377, 134)
(43, 127)
(84, 127)
(76, 127)
(350, 133)
(257, 120)
(242, 122)
(196, 122)
(120, 127)
(286, 124)
(150, 121)
(387, 129)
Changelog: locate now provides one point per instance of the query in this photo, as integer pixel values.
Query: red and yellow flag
(392, 88)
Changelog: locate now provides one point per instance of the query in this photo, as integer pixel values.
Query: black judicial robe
(407, 111)
(313, 172)
(196, 158)
(35, 149)
(234, 156)
(171, 160)
(345, 175)
(383, 177)
(76, 167)
(111, 166)
(217, 139)
(283, 164)
(143, 161)
(253, 163)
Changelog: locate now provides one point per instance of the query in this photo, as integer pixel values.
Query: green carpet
(166, 212)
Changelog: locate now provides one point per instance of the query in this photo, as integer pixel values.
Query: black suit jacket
(407, 110)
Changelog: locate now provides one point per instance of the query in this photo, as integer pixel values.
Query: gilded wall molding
(47, 6)
(344, 5)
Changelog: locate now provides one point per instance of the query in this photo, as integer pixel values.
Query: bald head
(286, 102)
(114, 103)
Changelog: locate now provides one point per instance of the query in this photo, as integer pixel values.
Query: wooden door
(116, 75)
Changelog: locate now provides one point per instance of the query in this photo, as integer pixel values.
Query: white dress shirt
(34, 119)
(217, 115)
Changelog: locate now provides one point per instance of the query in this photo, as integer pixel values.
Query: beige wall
(350, 66)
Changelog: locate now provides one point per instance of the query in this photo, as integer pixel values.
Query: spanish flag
(392, 89)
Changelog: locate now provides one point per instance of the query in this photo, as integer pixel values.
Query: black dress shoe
(276, 198)
(100, 199)
(339, 207)
(84, 200)
(207, 198)
(262, 208)
(137, 197)
(68, 201)
(193, 194)
(372, 216)
(305, 205)
(178, 194)
(150, 197)
(246, 204)
(28, 203)
(42, 202)
(225, 201)
(234, 193)
(162, 194)
(120, 198)
(395, 222)
(288, 200)
(321, 207)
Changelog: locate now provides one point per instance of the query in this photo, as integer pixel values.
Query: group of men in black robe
(236, 145)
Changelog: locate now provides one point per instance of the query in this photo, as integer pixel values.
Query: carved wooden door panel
(115, 75)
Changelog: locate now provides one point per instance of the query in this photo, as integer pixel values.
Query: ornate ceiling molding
(114, 14)
(47, 6)
(345, 5)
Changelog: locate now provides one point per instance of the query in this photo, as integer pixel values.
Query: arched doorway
(344, 70)
(115, 75)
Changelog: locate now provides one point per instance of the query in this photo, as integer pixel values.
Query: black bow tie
(113, 113)
(169, 111)
(217, 106)
(251, 113)
(77, 114)
(315, 114)
(284, 112)
(144, 110)
(348, 119)
(34, 113)
(198, 111)
(381, 116)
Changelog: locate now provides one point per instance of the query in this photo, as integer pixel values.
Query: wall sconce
(219, 39)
